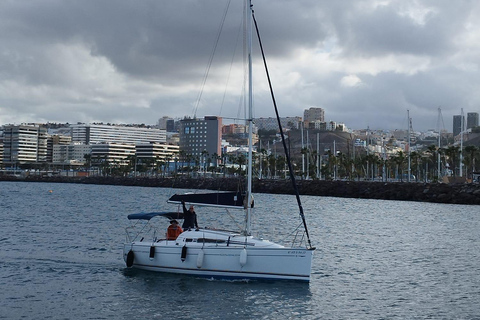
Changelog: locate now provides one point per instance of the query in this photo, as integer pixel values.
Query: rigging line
(207, 71)
(290, 168)
(231, 65)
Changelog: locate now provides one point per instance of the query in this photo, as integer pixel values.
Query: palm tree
(166, 163)
(432, 156)
(329, 169)
(181, 157)
(216, 159)
(399, 161)
(471, 154)
(242, 161)
(281, 163)
(415, 158)
(452, 153)
(203, 160)
(88, 161)
(263, 162)
(344, 165)
(372, 161)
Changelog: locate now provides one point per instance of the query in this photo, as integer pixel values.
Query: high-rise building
(457, 124)
(24, 144)
(314, 114)
(199, 135)
(166, 123)
(100, 133)
(472, 120)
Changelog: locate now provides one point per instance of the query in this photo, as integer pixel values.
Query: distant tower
(472, 120)
(314, 114)
(457, 124)
(166, 123)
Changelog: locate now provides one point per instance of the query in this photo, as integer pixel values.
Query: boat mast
(462, 127)
(409, 161)
(248, 12)
(439, 142)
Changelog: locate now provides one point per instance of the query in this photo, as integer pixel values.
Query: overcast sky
(366, 62)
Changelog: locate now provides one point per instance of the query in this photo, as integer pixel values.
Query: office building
(24, 144)
(201, 135)
(472, 120)
(457, 124)
(100, 133)
(166, 123)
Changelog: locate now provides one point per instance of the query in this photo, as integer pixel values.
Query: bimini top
(150, 215)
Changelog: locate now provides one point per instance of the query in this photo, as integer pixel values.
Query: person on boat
(189, 217)
(173, 230)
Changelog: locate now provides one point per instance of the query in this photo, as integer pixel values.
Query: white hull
(219, 254)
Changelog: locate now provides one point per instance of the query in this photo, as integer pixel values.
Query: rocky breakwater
(425, 192)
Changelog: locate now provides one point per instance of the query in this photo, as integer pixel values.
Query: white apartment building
(71, 154)
(159, 151)
(113, 153)
(100, 133)
(317, 125)
(24, 144)
(331, 126)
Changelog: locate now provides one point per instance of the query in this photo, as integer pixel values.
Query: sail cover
(212, 199)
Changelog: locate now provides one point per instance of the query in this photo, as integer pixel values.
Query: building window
(187, 130)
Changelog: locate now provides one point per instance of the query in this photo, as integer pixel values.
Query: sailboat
(222, 254)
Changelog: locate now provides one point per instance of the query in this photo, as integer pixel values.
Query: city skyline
(364, 62)
(272, 124)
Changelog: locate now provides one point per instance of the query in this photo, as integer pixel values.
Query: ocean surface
(61, 258)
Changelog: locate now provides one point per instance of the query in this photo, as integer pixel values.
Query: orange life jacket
(173, 232)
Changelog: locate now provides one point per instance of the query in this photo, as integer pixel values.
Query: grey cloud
(158, 50)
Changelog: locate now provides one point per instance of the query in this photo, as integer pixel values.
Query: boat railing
(132, 234)
(299, 239)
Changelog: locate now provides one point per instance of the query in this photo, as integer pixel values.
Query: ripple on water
(62, 258)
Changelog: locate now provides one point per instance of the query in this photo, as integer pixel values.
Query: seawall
(423, 192)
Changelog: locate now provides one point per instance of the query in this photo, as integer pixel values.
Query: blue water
(61, 258)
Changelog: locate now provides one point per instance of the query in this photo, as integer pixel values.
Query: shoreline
(401, 191)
